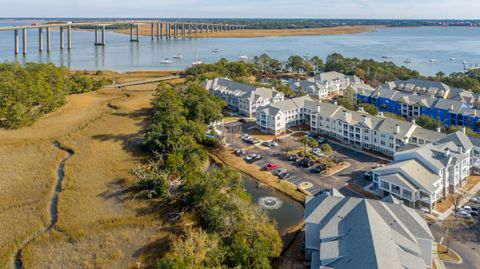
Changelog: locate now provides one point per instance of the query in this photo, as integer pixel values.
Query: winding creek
(53, 204)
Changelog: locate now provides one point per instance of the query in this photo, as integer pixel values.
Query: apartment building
(277, 117)
(451, 106)
(423, 175)
(326, 84)
(357, 128)
(240, 97)
(348, 232)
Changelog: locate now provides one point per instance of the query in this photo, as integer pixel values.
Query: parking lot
(314, 182)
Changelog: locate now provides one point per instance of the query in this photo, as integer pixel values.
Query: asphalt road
(360, 163)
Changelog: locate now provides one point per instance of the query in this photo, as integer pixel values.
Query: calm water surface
(419, 45)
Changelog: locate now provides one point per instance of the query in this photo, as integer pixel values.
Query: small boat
(386, 57)
(177, 56)
(432, 60)
(452, 59)
(197, 62)
(215, 50)
(243, 57)
(166, 61)
(306, 56)
(407, 61)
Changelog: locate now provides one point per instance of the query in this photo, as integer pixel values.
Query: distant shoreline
(251, 33)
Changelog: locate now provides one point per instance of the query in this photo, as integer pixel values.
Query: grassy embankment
(99, 225)
(145, 31)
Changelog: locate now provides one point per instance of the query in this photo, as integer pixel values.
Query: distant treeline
(28, 92)
(372, 72)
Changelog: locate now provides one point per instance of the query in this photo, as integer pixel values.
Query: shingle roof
(361, 233)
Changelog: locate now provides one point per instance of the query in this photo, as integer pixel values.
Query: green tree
(295, 63)
(153, 178)
(326, 148)
(369, 108)
(308, 141)
(429, 123)
(318, 64)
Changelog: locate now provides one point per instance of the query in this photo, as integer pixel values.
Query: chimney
(451, 107)
(335, 102)
(447, 152)
(464, 130)
(439, 130)
(360, 109)
(414, 122)
(397, 129)
(380, 114)
(318, 108)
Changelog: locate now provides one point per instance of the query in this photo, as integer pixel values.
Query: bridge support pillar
(132, 38)
(103, 40)
(69, 37)
(15, 40)
(189, 29)
(40, 39)
(175, 30)
(61, 38)
(49, 44)
(183, 30)
(24, 32)
(158, 30)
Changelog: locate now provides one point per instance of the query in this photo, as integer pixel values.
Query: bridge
(158, 29)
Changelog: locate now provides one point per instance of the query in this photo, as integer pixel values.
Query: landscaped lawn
(450, 256)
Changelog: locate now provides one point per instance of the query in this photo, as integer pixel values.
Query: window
(385, 185)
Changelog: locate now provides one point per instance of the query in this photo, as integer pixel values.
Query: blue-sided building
(451, 106)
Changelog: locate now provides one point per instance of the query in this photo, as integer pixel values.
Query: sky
(375, 9)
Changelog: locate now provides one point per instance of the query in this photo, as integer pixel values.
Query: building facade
(450, 106)
(423, 175)
(240, 97)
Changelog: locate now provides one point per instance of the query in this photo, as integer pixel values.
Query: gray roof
(242, 90)
(289, 104)
(362, 233)
(409, 174)
(458, 138)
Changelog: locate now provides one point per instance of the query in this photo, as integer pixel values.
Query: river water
(419, 45)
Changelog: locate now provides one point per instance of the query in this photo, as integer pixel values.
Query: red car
(270, 167)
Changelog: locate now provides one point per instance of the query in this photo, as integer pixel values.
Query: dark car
(318, 168)
(285, 175)
(293, 157)
(306, 163)
(321, 140)
(242, 120)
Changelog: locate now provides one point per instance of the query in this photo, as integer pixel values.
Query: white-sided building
(240, 97)
(326, 84)
(277, 117)
(350, 233)
(423, 175)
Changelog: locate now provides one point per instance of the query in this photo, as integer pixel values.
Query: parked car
(285, 175)
(463, 214)
(279, 171)
(367, 175)
(307, 163)
(253, 158)
(475, 199)
(318, 168)
(273, 144)
(266, 143)
(242, 120)
(245, 137)
(378, 165)
(337, 159)
(270, 167)
(240, 152)
(293, 157)
(317, 152)
(321, 140)
(471, 210)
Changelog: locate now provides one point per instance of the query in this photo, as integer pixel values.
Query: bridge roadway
(159, 29)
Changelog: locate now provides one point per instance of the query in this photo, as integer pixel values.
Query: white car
(463, 214)
(273, 144)
(475, 199)
(318, 152)
(470, 210)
